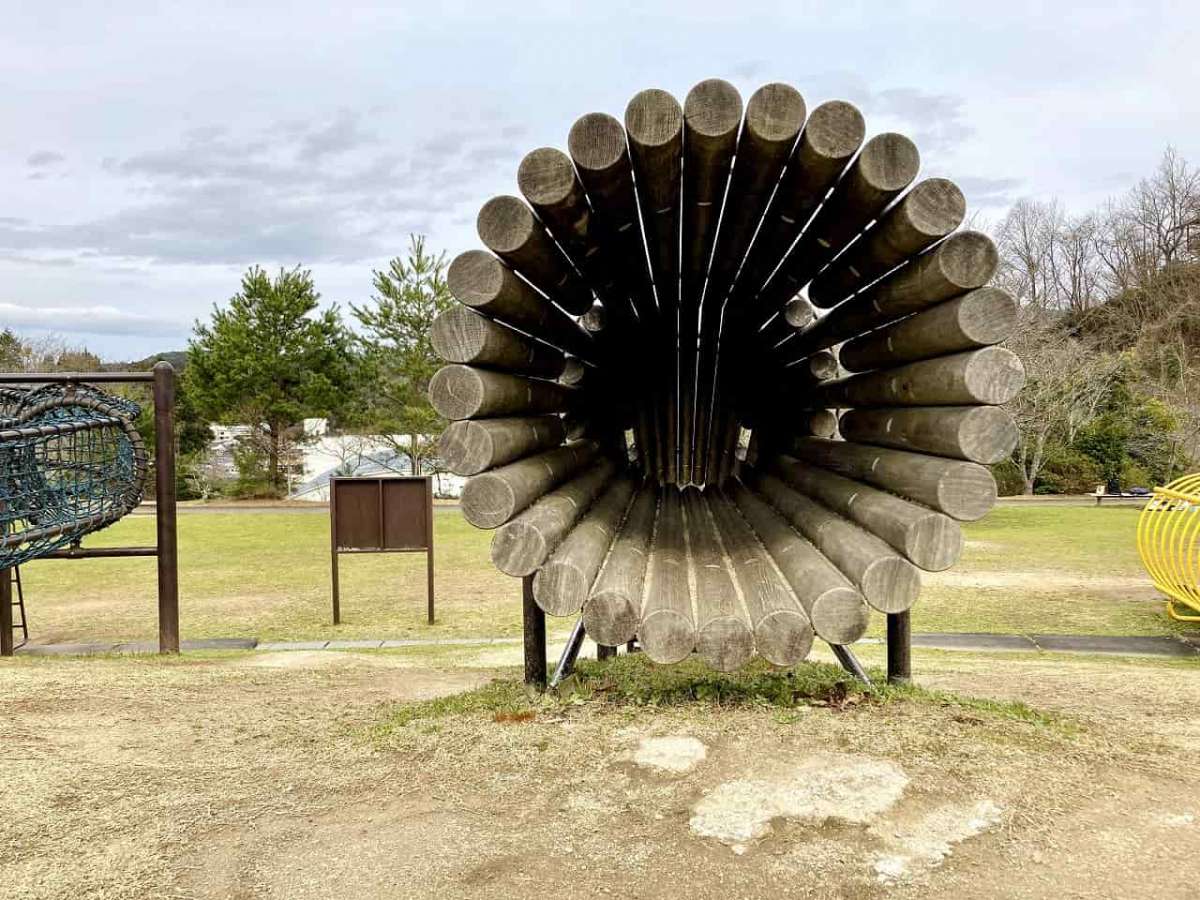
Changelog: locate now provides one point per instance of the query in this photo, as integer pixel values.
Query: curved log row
(723, 636)
(646, 312)
(613, 610)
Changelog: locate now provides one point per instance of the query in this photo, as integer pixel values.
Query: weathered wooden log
(598, 147)
(783, 633)
(886, 166)
(925, 215)
(614, 606)
(548, 180)
(978, 318)
(981, 434)
(464, 392)
(834, 606)
(962, 262)
(459, 335)
(479, 280)
(654, 125)
(831, 136)
(492, 498)
(961, 490)
(522, 544)
(991, 375)
(712, 114)
(931, 540)
(509, 229)
(668, 630)
(888, 581)
(774, 116)
(561, 586)
(723, 636)
(473, 446)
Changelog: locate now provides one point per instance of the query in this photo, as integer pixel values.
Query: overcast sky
(150, 151)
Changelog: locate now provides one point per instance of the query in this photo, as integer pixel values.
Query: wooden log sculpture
(728, 377)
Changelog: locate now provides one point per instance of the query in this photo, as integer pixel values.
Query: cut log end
(775, 113)
(518, 549)
(475, 278)
(839, 615)
(654, 118)
(889, 161)
(561, 588)
(597, 142)
(784, 637)
(995, 375)
(713, 108)
(835, 129)
(546, 176)
(667, 636)
(967, 260)
(890, 585)
(725, 643)
(611, 618)
(934, 542)
(505, 224)
(935, 207)
(487, 501)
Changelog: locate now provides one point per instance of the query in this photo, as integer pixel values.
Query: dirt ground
(266, 776)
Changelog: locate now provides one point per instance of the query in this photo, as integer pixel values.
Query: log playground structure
(725, 379)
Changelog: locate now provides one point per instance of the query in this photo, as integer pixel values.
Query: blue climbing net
(71, 462)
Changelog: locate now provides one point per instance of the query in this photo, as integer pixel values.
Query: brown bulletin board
(385, 514)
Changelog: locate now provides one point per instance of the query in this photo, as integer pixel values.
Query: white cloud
(88, 320)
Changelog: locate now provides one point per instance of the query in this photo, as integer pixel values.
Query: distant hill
(177, 358)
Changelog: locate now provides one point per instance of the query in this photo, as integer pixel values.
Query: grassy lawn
(266, 574)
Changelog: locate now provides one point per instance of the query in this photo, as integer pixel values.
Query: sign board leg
(429, 544)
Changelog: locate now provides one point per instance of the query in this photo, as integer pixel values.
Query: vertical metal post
(899, 648)
(429, 545)
(164, 499)
(6, 613)
(534, 621)
(333, 552)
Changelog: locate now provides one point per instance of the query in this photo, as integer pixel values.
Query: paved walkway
(986, 643)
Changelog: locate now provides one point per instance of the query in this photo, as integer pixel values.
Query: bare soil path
(267, 775)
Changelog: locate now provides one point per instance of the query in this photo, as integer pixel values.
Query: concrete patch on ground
(675, 753)
(853, 789)
(924, 844)
(1177, 820)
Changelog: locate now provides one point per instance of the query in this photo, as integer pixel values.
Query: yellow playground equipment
(1168, 539)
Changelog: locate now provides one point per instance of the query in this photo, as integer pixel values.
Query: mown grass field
(266, 574)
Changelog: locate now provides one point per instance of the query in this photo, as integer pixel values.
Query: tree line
(1109, 333)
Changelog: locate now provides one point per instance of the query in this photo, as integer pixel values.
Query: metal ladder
(18, 601)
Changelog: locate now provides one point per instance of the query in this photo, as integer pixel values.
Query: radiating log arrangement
(726, 377)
